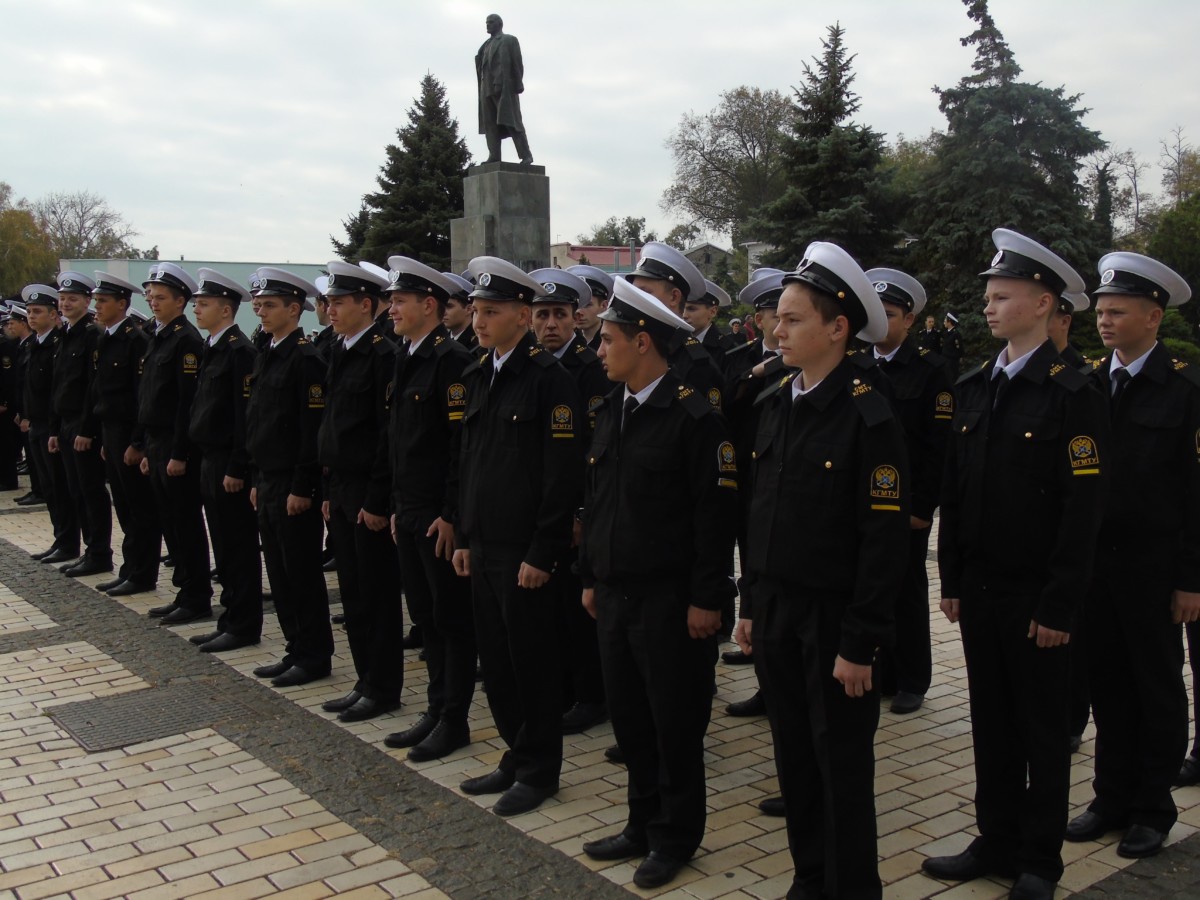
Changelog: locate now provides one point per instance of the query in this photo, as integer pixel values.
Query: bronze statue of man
(500, 71)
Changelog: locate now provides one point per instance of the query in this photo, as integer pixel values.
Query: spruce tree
(1010, 157)
(837, 189)
(420, 189)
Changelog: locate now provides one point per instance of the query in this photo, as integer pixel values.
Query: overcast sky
(248, 130)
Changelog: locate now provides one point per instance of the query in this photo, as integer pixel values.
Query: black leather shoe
(104, 586)
(415, 639)
(367, 708)
(1090, 826)
(582, 716)
(60, 556)
(964, 866)
(1141, 841)
(496, 782)
(656, 870)
(1189, 772)
(614, 755)
(522, 798)
(272, 671)
(227, 641)
(31, 500)
(338, 619)
(181, 615)
(168, 561)
(619, 846)
(905, 702)
(297, 675)
(330, 565)
(772, 806)
(755, 706)
(126, 588)
(157, 612)
(737, 658)
(1032, 887)
(341, 703)
(442, 741)
(199, 639)
(88, 566)
(1075, 742)
(43, 554)
(413, 735)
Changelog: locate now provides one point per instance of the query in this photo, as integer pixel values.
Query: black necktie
(999, 386)
(1120, 380)
(631, 403)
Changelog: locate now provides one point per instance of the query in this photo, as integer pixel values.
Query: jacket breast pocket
(822, 474)
(1154, 441)
(517, 426)
(1032, 443)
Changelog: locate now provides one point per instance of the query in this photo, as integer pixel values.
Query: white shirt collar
(217, 335)
(644, 394)
(413, 345)
(562, 351)
(41, 338)
(798, 391)
(351, 341)
(889, 357)
(699, 335)
(1133, 368)
(1011, 369)
(112, 329)
(498, 361)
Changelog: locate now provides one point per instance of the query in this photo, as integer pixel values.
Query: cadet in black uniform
(9, 433)
(923, 399)
(930, 338)
(1059, 330)
(554, 326)
(1022, 500)
(218, 429)
(519, 488)
(114, 404)
(1147, 578)
(22, 335)
(352, 445)
(283, 415)
(658, 525)
(951, 345)
(458, 312)
(320, 303)
(670, 277)
(428, 399)
(74, 431)
(41, 304)
(828, 539)
(587, 316)
(701, 313)
(164, 412)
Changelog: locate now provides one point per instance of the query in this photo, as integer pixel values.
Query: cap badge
(256, 282)
(394, 275)
(881, 287)
(550, 287)
(34, 296)
(485, 279)
(1108, 276)
(998, 257)
(67, 283)
(804, 264)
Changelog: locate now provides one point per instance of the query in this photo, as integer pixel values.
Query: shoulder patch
(1186, 371)
(698, 407)
(1068, 378)
(870, 404)
(316, 396)
(376, 338)
(885, 486)
(726, 457)
(246, 386)
(190, 364)
(943, 405)
(302, 341)
(177, 328)
(714, 397)
(439, 339)
(456, 395)
(1085, 458)
(562, 421)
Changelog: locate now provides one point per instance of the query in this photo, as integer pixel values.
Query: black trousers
(52, 476)
(181, 518)
(369, 579)
(439, 602)
(85, 482)
(584, 678)
(519, 646)
(1079, 708)
(35, 484)
(1019, 698)
(133, 500)
(233, 530)
(659, 681)
(10, 450)
(824, 742)
(291, 547)
(908, 666)
(1135, 656)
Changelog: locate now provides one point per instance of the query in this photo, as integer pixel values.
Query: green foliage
(906, 165)
(1176, 242)
(1010, 157)
(420, 189)
(614, 232)
(837, 188)
(681, 237)
(25, 253)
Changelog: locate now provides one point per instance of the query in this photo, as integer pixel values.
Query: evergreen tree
(1010, 158)
(837, 189)
(1177, 243)
(420, 189)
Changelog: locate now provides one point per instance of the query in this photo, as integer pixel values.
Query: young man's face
(1127, 322)
(42, 318)
(553, 324)
(929, 323)
(410, 312)
(322, 307)
(899, 322)
(500, 323)
(699, 315)
(619, 353)
(164, 303)
(587, 318)
(110, 309)
(766, 319)
(1016, 307)
(350, 313)
(804, 338)
(211, 313)
(276, 315)
(457, 315)
(73, 305)
(1058, 328)
(660, 288)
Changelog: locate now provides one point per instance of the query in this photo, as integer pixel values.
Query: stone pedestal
(506, 213)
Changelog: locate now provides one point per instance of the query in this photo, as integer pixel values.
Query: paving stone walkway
(261, 793)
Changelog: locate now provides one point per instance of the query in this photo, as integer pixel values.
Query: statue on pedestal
(501, 72)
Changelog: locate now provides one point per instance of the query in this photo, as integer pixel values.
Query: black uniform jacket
(283, 413)
(1025, 487)
(588, 371)
(16, 396)
(923, 398)
(695, 367)
(740, 360)
(324, 339)
(829, 517)
(1153, 511)
(522, 455)
(74, 363)
(39, 377)
(168, 384)
(9, 352)
(117, 376)
(661, 498)
(427, 400)
(467, 338)
(353, 437)
(951, 347)
(219, 407)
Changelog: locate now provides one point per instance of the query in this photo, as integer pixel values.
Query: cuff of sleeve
(854, 648)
